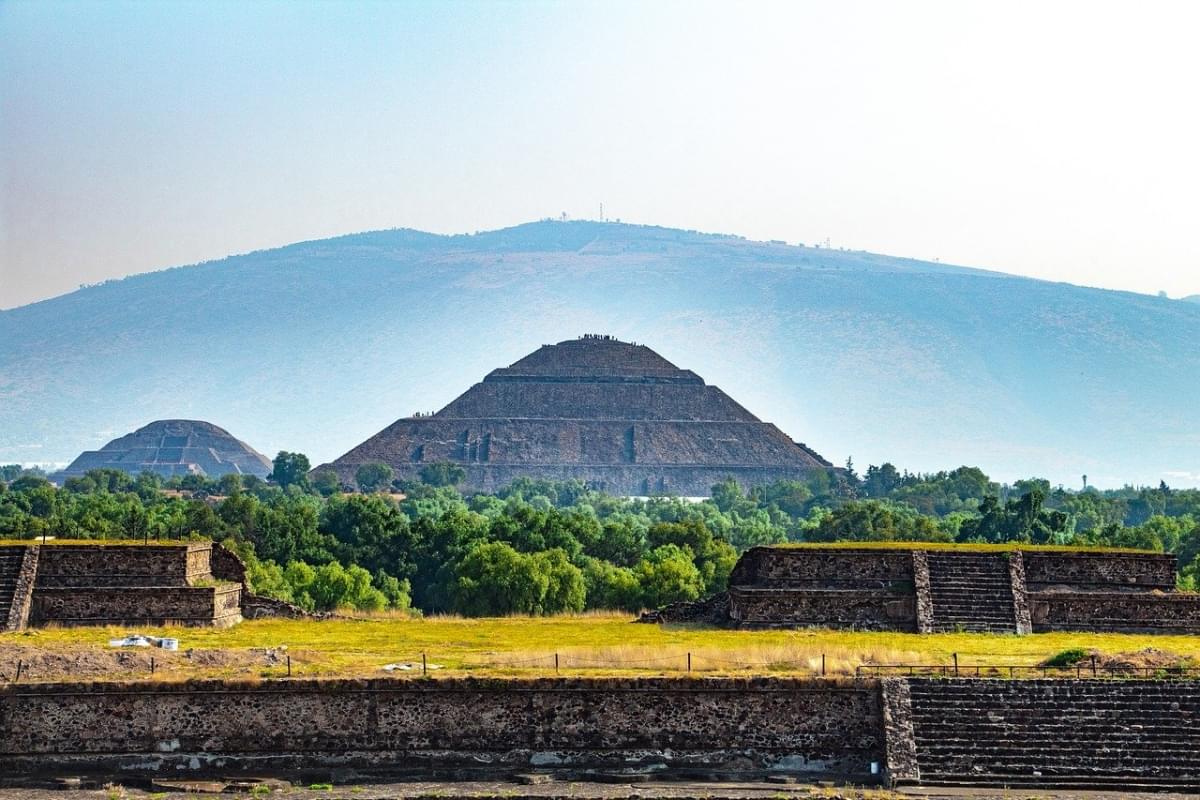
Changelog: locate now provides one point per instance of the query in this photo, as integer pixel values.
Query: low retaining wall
(140, 605)
(1120, 612)
(100, 564)
(830, 567)
(807, 726)
(1088, 569)
(864, 609)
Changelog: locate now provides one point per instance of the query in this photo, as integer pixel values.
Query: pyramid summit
(174, 447)
(613, 414)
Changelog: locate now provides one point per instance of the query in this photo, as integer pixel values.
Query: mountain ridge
(315, 345)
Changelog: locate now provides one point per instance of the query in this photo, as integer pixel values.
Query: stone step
(978, 590)
(1076, 760)
(987, 589)
(1126, 783)
(971, 591)
(958, 588)
(1113, 693)
(1077, 766)
(936, 570)
(983, 740)
(1146, 715)
(996, 612)
(1120, 752)
(957, 572)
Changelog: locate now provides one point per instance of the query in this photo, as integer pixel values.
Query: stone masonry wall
(226, 566)
(780, 567)
(22, 600)
(922, 592)
(189, 605)
(102, 564)
(1020, 593)
(863, 609)
(1086, 569)
(739, 725)
(891, 589)
(900, 758)
(1124, 612)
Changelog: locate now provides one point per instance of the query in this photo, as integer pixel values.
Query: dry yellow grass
(592, 644)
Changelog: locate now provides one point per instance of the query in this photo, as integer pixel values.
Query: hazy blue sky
(1058, 140)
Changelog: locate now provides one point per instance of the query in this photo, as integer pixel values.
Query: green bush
(1066, 658)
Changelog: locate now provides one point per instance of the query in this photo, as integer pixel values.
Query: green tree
(667, 575)
(565, 589)
(290, 469)
(229, 484)
(374, 476)
(611, 587)
(443, 473)
(876, 520)
(396, 591)
(325, 482)
(371, 531)
(494, 579)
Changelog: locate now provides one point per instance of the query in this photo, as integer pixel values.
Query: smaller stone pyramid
(174, 447)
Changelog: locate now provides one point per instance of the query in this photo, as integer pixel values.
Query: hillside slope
(317, 345)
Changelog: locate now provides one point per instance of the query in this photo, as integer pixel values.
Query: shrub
(1066, 658)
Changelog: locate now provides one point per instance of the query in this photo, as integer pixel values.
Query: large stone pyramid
(174, 447)
(614, 414)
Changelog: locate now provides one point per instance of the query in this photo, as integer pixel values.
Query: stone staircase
(1089, 733)
(971, 592)
(11, 559)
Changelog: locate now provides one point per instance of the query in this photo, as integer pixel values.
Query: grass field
(592, 644)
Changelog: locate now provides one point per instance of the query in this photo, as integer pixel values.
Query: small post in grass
(20, 664)
(289, 665)
(822, 665)
(1093, 665)
(556, 663)
(689, 662)
(424, 665)
(151, 665)
(955, 664)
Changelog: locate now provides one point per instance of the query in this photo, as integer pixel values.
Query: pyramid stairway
(1093, 733)
(11, 558)
(971, 592)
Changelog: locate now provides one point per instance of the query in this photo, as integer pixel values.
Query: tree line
(544, 547)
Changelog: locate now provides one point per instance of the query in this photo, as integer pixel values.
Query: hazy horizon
(1052, 142)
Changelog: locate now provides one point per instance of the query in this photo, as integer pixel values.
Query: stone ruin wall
(862, 731)
(138, 605)
(104, 584)
(881, 589)
(1117, 612)
(780, 567)
(810, 726)
(102, 564)
(1084, 570)
(840, 588)
(860, 609)
(1118, 592)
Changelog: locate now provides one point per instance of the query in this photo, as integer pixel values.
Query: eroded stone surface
(613, 414)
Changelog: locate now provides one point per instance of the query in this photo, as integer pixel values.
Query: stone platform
(108, 584)
(948, 589)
